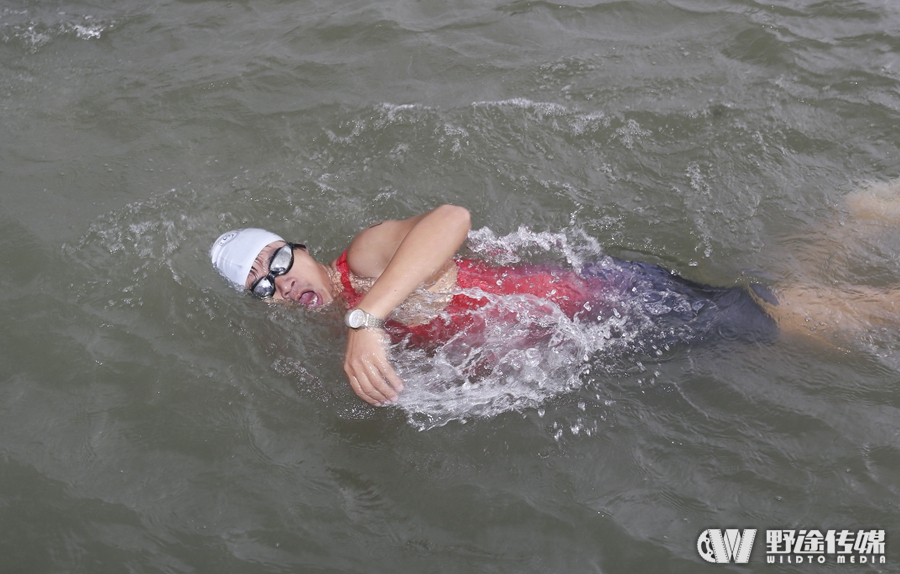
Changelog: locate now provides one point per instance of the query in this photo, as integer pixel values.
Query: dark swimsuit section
(658, 307)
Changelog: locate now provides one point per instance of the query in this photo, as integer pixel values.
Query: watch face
(356, 318)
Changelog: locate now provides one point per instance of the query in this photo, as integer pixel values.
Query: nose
(283, 286)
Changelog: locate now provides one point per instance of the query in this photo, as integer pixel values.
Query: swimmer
(400, 279)
(385, 263)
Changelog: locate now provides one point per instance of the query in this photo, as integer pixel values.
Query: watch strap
(372, 322)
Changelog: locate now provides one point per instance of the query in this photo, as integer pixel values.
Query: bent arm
(401, 256)
(404, 255)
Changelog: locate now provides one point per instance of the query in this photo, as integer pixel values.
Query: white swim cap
(234, 252)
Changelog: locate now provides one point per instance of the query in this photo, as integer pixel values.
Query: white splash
(35, 29)
(509, 365)
(574, 247)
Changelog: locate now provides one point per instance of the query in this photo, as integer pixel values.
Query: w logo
(721, 548)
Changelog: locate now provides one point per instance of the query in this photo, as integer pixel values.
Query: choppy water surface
(153, 420)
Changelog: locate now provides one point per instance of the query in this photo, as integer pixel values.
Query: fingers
(368, 383)
(367, 392)
(390, 375)
(371, 376)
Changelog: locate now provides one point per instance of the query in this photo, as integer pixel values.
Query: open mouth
(309, 299)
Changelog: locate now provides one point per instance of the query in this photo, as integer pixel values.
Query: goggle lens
(280, 264)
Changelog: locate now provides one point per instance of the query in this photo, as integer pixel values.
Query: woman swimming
(399, 279)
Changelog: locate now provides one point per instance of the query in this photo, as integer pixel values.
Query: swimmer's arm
(401, 255)
(404, 255)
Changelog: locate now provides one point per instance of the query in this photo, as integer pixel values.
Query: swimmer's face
(306, 282)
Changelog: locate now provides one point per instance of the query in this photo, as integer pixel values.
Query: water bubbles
(90, 32)
(502, 367)
(629, 132)
(573, 246)
(520, 353)
(35, 30)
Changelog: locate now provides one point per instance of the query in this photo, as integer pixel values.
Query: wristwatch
(359, 319)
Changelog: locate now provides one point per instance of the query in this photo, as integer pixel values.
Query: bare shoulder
(372, 249)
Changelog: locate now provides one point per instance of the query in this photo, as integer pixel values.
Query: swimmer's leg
(836, 312)
(826, 252)
(876, 202)
(834, 315)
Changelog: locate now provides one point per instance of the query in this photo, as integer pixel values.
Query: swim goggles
(281, 262)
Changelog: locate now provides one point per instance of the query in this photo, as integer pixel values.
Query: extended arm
(402, 256)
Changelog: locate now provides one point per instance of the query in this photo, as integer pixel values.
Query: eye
(264, 288)
(281, 262)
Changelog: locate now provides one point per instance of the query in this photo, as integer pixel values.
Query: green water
(153, 420)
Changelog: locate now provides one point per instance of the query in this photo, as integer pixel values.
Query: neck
(334, 277)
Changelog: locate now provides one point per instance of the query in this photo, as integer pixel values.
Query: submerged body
(665, 307)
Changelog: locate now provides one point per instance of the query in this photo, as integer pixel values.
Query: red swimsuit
(563, 288)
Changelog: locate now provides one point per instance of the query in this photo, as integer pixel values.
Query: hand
(371, 375)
